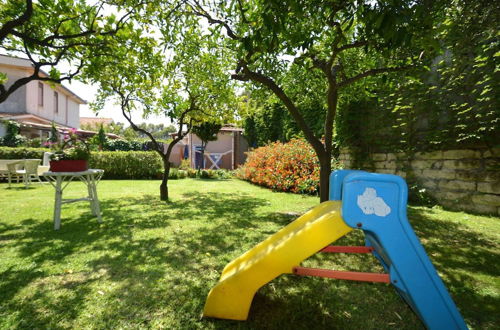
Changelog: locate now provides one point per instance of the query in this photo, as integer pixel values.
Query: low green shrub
(185, 164)
(205, 174)
(223, 174)
(182, 174)
(14, 141)
(174, 174)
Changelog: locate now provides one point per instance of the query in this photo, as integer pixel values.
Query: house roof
(86, 133)
(30, 120)
(232, 129)
(95, 121)
(34, 121)
(225, 128)
(25, 63)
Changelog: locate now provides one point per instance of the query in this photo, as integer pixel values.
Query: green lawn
(151, 265)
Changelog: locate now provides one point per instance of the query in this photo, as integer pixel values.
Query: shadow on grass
(458, 252)
(119, 251)
(155, 263)
(21, 188)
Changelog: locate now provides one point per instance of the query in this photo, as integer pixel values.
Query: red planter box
(68, 165)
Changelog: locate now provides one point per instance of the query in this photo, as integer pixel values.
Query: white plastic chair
(12, 169)
(43, 169)
(30, 171)
(46, 158)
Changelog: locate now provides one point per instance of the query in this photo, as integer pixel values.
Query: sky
(110, 110)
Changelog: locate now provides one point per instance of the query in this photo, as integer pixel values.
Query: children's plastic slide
(232, 296)
(374, 203)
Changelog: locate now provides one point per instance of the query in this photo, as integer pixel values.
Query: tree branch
(12, 24)
(319, 63)
(5, 93)
(242, 11)
(200, 11)
(355, 44)
(48, 41)
(59, 51)
(245, 74)
(126, 111)
(125, 106)
(180, 133)
(51, 45)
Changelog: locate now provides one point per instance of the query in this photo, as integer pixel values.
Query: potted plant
(70, 156)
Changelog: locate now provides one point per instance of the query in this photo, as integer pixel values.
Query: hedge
(22, 153)
(291, 166)
(123, 145)
(123, 164)
(128, 164)
(116, 164)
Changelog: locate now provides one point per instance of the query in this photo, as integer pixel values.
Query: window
(56, 102)
(40, 94)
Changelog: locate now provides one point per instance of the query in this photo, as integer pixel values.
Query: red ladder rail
(342, 275)
(347, 249)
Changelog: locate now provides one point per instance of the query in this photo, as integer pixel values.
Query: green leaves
(207, 131)
(181, 75)
(59, 37)
(3, 78)
(54, 73)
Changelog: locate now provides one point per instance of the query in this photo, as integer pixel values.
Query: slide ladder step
(347, 249)
(342, 275)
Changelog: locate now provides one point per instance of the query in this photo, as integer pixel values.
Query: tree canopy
(58, 37)
(295, 48)
(180, 76)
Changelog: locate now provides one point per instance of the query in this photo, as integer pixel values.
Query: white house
(37, 104)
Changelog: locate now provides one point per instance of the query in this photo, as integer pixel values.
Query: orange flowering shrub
(291, 166)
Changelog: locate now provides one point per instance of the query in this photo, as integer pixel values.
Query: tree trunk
(203, 146)
(164, 181)
(323, 150)
(325, 167)
(325, 157)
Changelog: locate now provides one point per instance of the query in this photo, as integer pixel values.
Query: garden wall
(465, 179)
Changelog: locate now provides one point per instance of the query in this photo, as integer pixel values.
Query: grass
(151, 265)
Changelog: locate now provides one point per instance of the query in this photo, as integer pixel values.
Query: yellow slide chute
(278, 254)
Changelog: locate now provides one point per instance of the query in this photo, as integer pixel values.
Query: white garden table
(60, 180)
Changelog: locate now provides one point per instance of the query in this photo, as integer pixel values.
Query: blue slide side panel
(376, 203)
(336, 181)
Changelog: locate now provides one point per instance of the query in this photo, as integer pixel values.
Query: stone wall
(467, 180)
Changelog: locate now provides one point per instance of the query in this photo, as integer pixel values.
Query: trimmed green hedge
(21, 153)
(128, 164)
(133, 165)
(116, 164)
